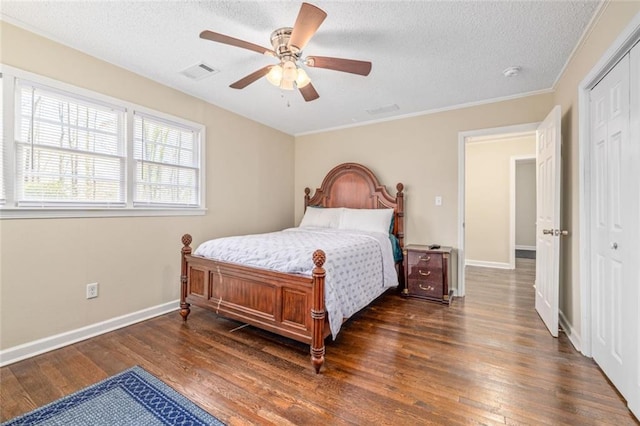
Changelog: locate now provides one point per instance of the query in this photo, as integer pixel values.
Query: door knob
(558, 232)
(614, 246)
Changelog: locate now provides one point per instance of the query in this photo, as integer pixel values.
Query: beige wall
(488, 197)
(46, 263)
(614, 17)
(421, 152)
(526, 203)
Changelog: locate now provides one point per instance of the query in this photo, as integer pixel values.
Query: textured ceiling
(426, 55)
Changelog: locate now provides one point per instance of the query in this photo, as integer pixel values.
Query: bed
(288, 304)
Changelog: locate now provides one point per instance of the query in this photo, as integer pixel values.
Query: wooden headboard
(354, 186)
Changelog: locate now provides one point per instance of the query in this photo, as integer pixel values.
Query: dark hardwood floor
(486, 359)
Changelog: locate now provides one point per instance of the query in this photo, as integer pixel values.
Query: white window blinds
(167, 163)
(69, 151)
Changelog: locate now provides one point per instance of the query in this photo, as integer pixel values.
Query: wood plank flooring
(486, 359)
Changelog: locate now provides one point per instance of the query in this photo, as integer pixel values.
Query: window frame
(10, 209)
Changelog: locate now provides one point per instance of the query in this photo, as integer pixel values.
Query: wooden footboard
(286, 304)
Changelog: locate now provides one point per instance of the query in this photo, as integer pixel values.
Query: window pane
(167, 168)
(163, 143)
(55, 120)
(161, 184)
(68, 150)
(52, 175)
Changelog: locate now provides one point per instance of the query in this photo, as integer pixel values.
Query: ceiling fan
(287, 48)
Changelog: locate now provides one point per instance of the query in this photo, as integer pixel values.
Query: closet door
(609, 141)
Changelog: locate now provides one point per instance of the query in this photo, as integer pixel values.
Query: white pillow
(325, 218)
(369, 220)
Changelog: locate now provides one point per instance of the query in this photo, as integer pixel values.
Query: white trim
(513, 162)
(460, 285)
(37, 347)
(620, 47)
(569, 331)
(427, 112)
(529, 248)
(585, 34)
(487, 264)
(48, 213)
(463, 139)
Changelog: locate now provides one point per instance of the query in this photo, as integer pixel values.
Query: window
(78, 153)
(166, 170)
(68, 151)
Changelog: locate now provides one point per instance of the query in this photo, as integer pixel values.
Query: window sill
(59, 213)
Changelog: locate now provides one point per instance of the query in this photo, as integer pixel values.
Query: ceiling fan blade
(307, 23)
(337, 64)
(221, 38)
(256, 75)
(309, 93)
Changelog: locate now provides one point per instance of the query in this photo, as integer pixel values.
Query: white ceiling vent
(199, 71)
(383, 109)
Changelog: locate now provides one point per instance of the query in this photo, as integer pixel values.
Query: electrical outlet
(92, 290)
(438, 200)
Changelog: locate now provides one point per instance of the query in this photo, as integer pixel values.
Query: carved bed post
(307, 191)
(317, 311)
(184, 306)
(400, 221)
(400, 232)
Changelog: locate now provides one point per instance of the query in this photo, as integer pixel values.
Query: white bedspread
(359, 265)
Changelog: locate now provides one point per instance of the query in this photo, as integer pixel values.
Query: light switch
(438, 200)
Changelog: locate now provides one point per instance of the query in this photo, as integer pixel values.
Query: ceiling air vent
(383, 109)
(199, 71)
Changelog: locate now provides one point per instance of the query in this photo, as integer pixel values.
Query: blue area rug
(133, 397)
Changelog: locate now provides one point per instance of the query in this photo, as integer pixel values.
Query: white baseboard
(530, 248)
(487, 264)
(37, 347)
(574, 337)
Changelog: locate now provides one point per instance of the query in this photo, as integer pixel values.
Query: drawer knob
(426, 274)
(427, 288)
(425, 258)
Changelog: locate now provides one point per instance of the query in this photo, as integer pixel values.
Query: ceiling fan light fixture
(286, 84)
(274, 76)
(302, 78)
(289, 71)
(285, 74)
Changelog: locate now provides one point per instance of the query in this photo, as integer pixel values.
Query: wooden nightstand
(429, 273)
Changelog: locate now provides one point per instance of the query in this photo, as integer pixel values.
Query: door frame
(463, 139)
(620, 47)
(513, 163)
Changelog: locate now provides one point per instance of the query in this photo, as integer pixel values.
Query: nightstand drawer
(422, 288)
(424, 260)
(425, 273)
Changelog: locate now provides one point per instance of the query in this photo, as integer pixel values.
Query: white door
(614, 256)
(548, 162)
(632, 298)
